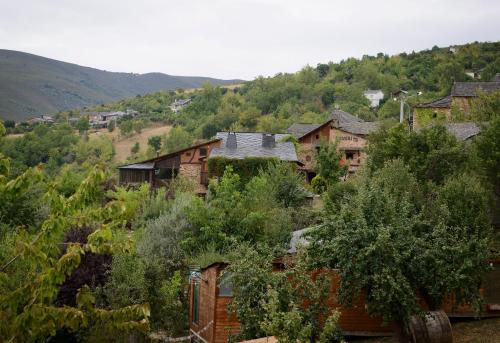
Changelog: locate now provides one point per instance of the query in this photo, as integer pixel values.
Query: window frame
(195, 314)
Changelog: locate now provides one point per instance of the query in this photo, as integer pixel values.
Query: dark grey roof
(363, 128)
(463, 131)
(249, 144)
(143, 166)
(441, 103)
(298, 130)
(344, 117)
(472, 88)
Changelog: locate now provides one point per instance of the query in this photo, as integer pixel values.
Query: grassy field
(124, 144)
(464, 331)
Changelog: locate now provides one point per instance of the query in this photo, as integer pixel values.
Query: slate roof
(363, 128)
(140, 166)
(344, 117)
(249, 144)
(463, 131)
(471, 88)
(149, 164)
(440, 103)
(298, 130)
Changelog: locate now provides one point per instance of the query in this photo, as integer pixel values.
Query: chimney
(231, 140)
(268, 140)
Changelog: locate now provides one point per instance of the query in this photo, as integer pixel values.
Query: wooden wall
(353, 320)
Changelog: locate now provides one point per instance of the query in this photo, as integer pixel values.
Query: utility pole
(402, 97)
(401, 109)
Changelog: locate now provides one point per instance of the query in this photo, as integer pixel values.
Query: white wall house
(374, 96)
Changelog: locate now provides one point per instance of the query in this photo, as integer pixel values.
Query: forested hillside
(32, 85)
(274, 103)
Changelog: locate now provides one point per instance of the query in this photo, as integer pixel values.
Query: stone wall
(192, 171)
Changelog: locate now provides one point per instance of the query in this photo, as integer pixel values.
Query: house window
(317, 136)
(308, 158)
(188, 153)
(203, 151)
(166, 173)
(196, 303)
(349, 155)
(225, 286)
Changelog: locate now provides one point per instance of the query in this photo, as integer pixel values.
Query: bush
(246, 168)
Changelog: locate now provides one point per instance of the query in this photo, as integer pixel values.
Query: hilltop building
(179, 104)
(374, 96)
(350, 133)
(43, 119)
(459, 101)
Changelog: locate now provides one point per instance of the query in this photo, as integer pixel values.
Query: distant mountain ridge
(31, 85)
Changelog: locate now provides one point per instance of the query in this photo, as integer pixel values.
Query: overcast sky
(238, 38)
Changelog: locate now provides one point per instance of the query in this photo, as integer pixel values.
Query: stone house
(458, 102)
(348, 131)
(159, 171)
(192, 162)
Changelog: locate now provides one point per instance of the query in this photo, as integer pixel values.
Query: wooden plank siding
(353, 320)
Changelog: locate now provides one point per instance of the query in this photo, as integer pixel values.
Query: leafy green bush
(246, 168)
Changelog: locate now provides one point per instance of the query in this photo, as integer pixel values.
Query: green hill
(32, 85)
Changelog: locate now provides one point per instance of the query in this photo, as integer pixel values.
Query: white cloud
(236, 39)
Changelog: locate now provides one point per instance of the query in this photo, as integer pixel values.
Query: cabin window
(308, 158)
(225, 286)
(196, 303)
(166, 173)
(317, 148)
(349, 155)
(317, 136)
(203, 151)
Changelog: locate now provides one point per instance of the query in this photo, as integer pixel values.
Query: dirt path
(124, 144)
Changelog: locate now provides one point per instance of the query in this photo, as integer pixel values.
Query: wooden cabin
(159, 171)
(211, 322)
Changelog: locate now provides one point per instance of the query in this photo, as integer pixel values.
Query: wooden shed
(211, 322)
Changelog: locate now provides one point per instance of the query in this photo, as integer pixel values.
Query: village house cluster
(100, 120)
(349, 132)
(209, 317)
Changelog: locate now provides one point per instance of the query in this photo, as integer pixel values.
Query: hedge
(246, 168)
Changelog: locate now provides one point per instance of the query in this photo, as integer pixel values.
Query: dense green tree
(431, 154)
(405, 244)
(328, 164)
(176, 139)
(82, 125)
(126, 127)
(155, 142)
